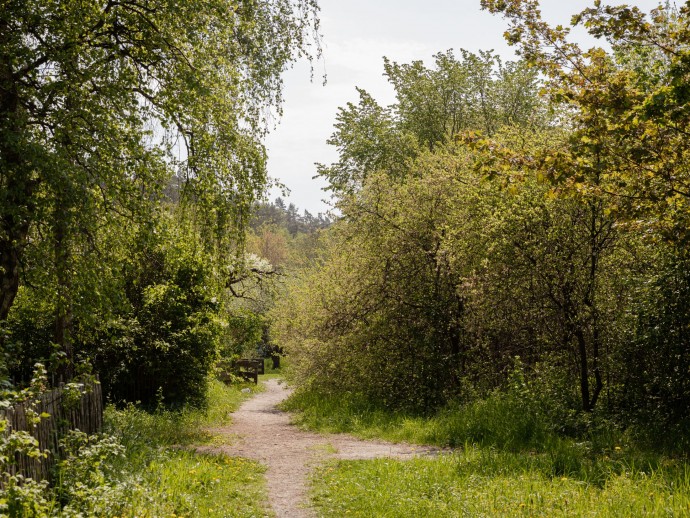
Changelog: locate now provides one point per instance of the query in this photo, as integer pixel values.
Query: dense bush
(162, 349)
(158, 339)
(436, 283)
(532, 235)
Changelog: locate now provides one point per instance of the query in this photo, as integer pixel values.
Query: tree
(270, 243)
(381, 317)
(629, 119)
(368, 140)
(629, 107)
(102, 101)
(475, 92)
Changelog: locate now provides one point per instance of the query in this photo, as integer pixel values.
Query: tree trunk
(63, 304)
(9, 275)
(17, 188)
(584, 370)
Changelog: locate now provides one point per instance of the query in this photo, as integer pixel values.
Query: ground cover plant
(144, 464)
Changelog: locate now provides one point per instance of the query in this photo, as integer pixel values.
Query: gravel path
(261, 432)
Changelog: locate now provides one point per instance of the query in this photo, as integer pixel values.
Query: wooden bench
(248, 369)
(260, 362)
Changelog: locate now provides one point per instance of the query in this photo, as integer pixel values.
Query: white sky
(356, 36)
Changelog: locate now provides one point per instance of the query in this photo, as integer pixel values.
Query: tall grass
(483, 482)
(508, 460)
(137, 427)
(501, 420)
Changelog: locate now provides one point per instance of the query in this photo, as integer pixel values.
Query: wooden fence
(67, 412)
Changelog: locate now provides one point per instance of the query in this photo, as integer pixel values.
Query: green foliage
(78, 152)
(475, 92)
(658, 362)
(24, 497)
(20, 496)
(368, 140)
(143, 430)
(533, 234)
(277, 215)
(383, 310)
(165, 334)
(201, 485)
(280, 243)
(87, 480)
(627, 149)
(629, 107)
(513, 419)
(435, 283)
(137, 469)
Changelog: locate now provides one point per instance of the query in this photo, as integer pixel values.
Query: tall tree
(101, 101)
(471, 92)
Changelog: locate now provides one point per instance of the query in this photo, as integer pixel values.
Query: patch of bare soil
(261, 432)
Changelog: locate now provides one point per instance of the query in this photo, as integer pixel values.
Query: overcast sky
(356, 36)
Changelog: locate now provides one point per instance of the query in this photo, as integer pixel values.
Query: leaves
(629, 107)
(101, 104)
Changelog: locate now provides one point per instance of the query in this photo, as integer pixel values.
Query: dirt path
(261, 432)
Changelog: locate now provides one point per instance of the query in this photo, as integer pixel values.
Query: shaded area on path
(261, 432)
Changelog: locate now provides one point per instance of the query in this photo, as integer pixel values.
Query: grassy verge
(177, 428)
(478, 482)
(504, 421)
(161, 476)
(509, 461)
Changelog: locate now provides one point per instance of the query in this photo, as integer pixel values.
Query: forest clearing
(489, 316)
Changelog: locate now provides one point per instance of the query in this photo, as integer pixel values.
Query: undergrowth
(144, 465)
(505, 457)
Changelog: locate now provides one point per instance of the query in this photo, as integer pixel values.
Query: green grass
(499, 421)
(479, 483)
(271, 373)
(183, 483)
(161, 474)
(135, 426)
(508, 461)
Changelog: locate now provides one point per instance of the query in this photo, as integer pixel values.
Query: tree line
(131, 158)
(527, 215)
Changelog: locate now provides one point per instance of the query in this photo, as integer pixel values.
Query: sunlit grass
(499, 421)
(506, 461)
(164, 476)
(183, 483)
(478, 482)
(271, 373)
